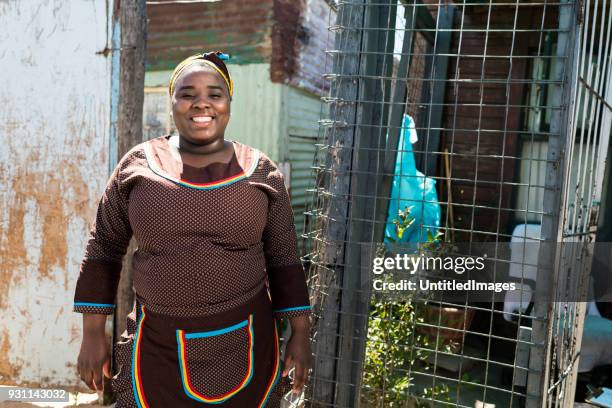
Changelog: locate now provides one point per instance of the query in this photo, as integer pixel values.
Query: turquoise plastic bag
(412, 189)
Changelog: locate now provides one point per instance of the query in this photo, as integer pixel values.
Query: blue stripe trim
(94, 304)
(288, 309)
(212, 333)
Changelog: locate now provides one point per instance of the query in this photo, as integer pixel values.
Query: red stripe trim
(213, 183)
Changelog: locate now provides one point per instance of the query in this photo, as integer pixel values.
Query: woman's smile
(202, 121)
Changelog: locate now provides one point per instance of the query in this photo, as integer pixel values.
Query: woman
(213, 224)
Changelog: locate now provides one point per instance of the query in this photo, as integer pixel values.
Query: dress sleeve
(286, 276)
(108, 241)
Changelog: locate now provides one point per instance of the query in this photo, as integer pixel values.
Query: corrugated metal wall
(54, 159)
(315, 39)
(290, 35)
(241, 27)
(303, 111)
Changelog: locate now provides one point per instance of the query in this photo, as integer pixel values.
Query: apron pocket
(215, 365)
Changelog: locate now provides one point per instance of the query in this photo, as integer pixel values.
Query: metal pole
(563, 94)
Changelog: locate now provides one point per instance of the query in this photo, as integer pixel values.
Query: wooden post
(369, 143)
(327, 271)
(132, 21)
(396, 115)
(429, 140)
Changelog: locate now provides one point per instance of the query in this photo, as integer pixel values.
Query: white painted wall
(54, 158)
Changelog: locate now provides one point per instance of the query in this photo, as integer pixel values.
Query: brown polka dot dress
(203, 331)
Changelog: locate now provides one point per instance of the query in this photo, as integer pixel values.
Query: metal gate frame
(354, 149)
(345, 306)
(576, 225)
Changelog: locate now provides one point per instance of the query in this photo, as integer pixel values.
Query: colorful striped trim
(185, 377)
(289, 309)
(94, 304)
(199, 186)
(275, 372)
(213, 333)
(139, 396)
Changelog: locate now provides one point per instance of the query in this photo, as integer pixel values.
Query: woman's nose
(200, 102)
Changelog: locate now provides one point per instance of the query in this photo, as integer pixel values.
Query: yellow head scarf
(213, 59)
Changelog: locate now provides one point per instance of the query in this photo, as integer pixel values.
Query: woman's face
(200, 105)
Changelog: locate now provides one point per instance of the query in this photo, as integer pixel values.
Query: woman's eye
(187, 96)
(215, 96)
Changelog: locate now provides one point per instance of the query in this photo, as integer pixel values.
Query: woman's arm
(94, 357)
(99, 276)
(297, 352)
(286, 277)
(109, 238)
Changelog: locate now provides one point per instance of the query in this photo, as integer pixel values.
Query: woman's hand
(94, 357)
(297, 352)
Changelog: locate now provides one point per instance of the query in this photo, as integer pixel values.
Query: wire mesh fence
(457, 128)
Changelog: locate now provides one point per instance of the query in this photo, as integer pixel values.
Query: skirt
(231, 359)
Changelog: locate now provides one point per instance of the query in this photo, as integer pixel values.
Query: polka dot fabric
(121, 383)
(201, 251)
(94, 309)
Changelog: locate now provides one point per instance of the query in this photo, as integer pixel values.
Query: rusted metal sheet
(286, 31)
(299, 40)
(54, 159)
(290, 35)
(240, 27)
(315, 38)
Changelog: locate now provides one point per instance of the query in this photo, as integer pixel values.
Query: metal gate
(511, 104)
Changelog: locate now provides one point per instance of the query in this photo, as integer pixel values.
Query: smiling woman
(216, 263)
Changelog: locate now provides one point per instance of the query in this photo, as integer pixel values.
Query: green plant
(403, 221)
(394, 346)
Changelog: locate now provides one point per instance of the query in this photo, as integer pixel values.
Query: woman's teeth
(202, 119)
